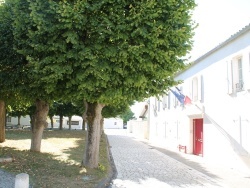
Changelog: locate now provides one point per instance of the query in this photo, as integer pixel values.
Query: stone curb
(112, 173)
(5, 159)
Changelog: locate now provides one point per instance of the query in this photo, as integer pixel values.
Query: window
(73, 122)
(8, 119)
(197, 88)
(237, 76)
(169, 100)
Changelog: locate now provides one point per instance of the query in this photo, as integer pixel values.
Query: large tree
(105, 52)
(12, 65)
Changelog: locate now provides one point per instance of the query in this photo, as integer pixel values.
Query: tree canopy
(104, 52)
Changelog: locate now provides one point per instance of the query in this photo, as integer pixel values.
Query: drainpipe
(240, 130)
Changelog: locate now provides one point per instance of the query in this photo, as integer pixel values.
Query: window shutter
(200, 88)
(164, 101)
(229, 77)
(195, 89)
(247, 79)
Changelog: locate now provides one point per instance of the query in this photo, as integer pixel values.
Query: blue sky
(218, 20)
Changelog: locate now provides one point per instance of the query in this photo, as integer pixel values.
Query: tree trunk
(19, 120)
(91, 155)
(61, 122)
(83, 124)
(51, 122)
(39, 124)
(2, 121)
(70, 117)
(32, 122)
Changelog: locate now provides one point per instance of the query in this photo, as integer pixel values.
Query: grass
(58, 164)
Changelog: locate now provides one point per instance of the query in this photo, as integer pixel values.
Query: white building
(12, 121)
(217, 123)
(76, 122)
(113, 123)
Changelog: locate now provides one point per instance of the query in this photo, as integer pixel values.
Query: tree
(18, 109)
(69, 110)
(59, 110)
(127, 115)
(40, 92)
(52, 112)
(65, 109)
(2, 121)
(80, 108)
(104, 52)
(12, 64)
(114, 111)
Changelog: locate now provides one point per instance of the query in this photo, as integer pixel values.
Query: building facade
(216, 123)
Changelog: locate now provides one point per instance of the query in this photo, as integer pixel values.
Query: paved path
(141, 166)
(6, 180)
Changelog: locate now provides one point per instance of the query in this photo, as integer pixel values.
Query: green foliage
(127, 115)
(65, 109)
(103, 51)
(12, 64)
(114, 110)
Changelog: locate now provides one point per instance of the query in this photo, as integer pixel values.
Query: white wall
(226, 118)
(113, 123)
(76, 122)
(25, 120)
(139, 128)
(226, 115)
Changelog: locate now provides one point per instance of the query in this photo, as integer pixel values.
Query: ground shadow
(133, 158)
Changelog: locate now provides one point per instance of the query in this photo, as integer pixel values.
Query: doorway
(198, 136)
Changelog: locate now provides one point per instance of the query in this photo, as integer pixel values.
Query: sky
(218, 20)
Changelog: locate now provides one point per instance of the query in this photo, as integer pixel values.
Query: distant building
(76, 122)
(113, 123)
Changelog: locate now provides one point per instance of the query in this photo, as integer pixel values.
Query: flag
(184, 99)
(179, 96)
(187, 100)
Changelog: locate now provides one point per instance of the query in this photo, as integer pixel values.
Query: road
(139, 165)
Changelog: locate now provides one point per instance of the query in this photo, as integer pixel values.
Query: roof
(221, 45)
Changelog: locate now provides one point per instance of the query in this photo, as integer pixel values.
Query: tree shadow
(50, 169)
(186, 161)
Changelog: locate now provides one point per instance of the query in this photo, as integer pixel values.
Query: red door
(198, 136)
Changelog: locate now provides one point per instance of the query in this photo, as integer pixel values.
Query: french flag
(184, 99)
